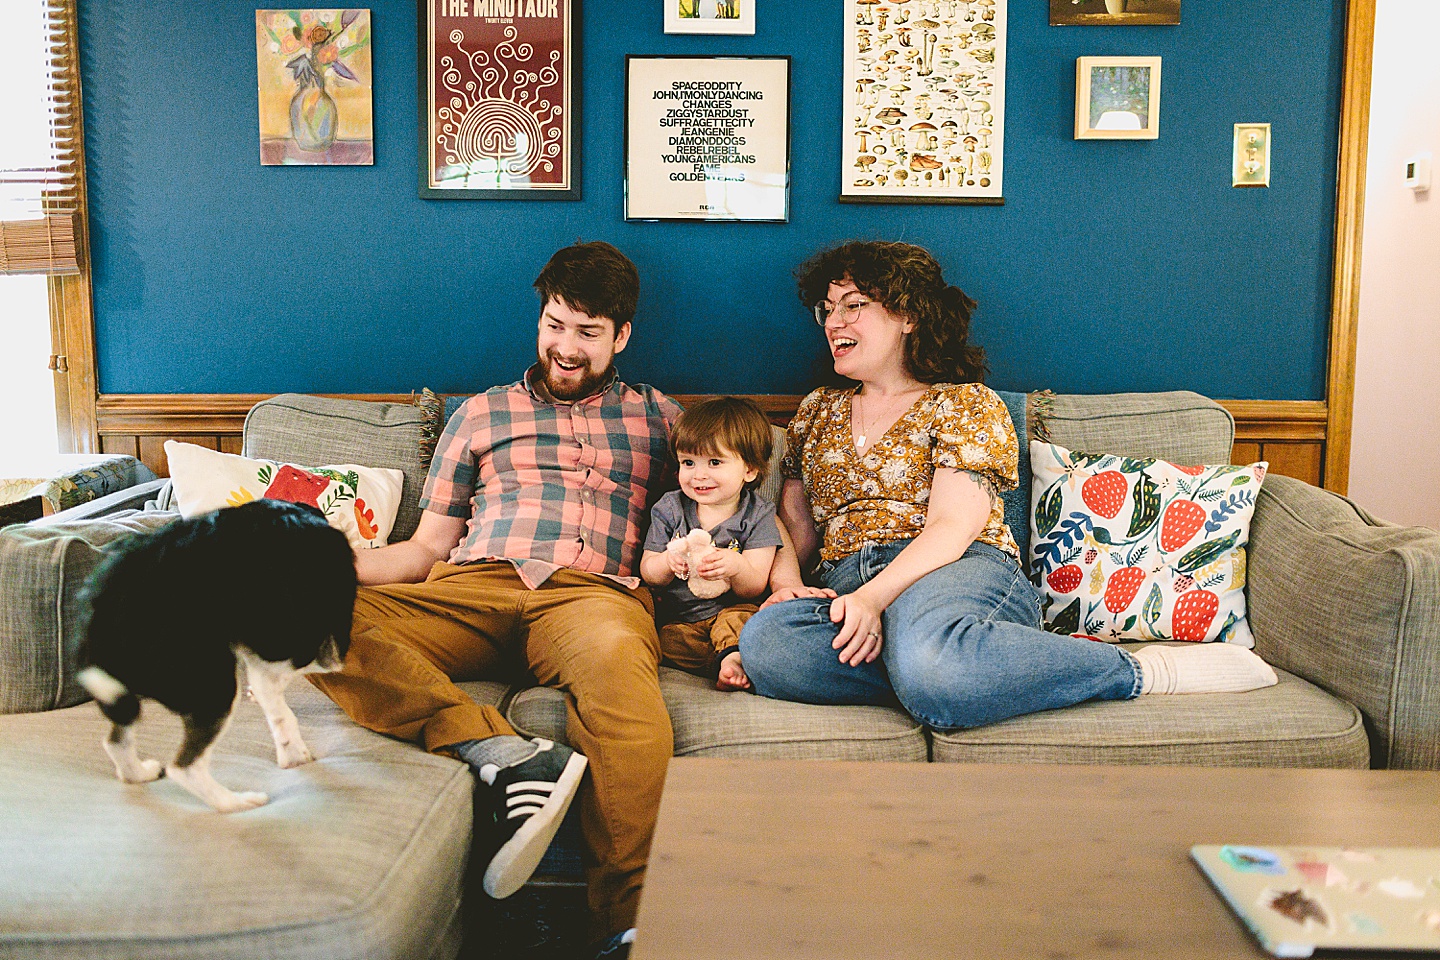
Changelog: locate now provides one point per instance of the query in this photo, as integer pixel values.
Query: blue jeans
(962, 646)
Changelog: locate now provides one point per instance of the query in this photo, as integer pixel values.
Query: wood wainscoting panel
(1288, 433)
(138, 424)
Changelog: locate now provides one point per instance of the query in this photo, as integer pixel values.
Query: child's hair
(732, 423)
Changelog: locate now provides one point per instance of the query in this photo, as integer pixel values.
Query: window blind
(40, 151)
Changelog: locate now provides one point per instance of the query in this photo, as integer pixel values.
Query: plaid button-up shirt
(548, 485)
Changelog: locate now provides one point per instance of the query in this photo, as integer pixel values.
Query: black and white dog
(267, 586)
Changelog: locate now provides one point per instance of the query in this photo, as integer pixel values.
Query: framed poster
(499, 100)
(1113, 13)
(314, 84)
(924, 96)
(707, 138)
(710, 16)
(1117, 98)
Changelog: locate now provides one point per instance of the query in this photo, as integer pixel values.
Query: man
(529, 544)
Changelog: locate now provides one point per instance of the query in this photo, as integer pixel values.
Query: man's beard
(589, 383)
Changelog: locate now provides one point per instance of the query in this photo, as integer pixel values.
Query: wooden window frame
(72, 315)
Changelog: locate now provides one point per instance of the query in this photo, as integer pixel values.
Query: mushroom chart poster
(924, 98)
(707, 138)
(497, 101)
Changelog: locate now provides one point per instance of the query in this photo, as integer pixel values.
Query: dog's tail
(114, 699)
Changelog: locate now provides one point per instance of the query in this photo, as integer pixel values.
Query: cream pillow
(358, 501)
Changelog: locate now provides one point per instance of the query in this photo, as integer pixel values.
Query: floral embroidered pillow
(1128, 548)
(358, 501)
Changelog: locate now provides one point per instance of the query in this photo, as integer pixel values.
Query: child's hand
(717, 564)
(678, 566)
(732, 674)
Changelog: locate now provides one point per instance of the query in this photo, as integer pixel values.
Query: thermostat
(1417, 172)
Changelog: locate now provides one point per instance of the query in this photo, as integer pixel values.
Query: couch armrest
(131, 498)
(1351, 604)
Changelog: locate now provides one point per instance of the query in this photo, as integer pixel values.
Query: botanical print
(314, 78)
(925, 101)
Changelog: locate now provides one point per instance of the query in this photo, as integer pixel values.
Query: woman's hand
(860, 635)
(795, 593)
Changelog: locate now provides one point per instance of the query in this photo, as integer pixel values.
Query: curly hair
(907, 281)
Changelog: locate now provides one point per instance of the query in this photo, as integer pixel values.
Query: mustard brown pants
(697, 647)
(580, 633)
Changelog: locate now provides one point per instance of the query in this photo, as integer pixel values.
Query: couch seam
(760, 742)
(358, 910)
(1357, 722)
(60, 624)
(1392, 722)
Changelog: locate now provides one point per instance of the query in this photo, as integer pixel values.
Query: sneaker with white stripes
(530, 800)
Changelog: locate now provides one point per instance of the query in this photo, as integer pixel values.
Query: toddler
(723, 448)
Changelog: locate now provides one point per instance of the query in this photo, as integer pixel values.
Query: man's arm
(410, 560)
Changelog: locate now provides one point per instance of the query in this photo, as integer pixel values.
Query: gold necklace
(867, 424)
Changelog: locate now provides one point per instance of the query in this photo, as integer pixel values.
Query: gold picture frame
(1117, 98)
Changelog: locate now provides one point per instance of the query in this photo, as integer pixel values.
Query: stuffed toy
(693, 546)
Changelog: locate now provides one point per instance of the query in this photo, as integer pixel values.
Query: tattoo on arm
(985, 484)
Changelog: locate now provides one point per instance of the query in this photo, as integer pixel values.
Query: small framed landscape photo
(710, 16)
(1117, 98)
(1114, 13)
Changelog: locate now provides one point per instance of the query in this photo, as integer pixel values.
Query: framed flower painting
(314, 87)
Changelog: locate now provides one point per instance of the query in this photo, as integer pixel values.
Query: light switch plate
(1251, 165)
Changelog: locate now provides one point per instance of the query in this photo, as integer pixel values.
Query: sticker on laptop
(1252, 860)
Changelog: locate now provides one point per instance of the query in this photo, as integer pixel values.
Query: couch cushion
(1178, 426)
(42, 619)
(359, 854)
(298, 428)
(709, 723)
(1292, 724)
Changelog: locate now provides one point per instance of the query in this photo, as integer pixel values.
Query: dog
(267, 586)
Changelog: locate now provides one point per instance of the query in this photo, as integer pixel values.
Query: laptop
(1299, 899)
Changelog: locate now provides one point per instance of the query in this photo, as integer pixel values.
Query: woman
(924, 597)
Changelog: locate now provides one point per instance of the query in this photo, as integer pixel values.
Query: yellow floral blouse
(882, 495)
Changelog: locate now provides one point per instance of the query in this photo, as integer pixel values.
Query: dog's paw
(144, 771)
(237, 802)
(293, 754)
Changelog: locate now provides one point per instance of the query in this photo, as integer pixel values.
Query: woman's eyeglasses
(847, 310)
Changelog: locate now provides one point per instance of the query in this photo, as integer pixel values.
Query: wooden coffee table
(806, 859)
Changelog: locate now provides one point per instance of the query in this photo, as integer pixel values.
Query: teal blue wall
(1129, 265)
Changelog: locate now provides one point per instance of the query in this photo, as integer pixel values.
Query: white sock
(1202, 668)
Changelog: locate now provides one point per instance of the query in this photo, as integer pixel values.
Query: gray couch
(363, 853)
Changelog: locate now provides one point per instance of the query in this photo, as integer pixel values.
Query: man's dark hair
(907, 281)
(594, 278)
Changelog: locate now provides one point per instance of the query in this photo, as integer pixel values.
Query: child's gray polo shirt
(751, 526)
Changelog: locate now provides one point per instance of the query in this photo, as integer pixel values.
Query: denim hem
(1139, 673)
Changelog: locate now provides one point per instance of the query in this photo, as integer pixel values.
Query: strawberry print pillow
(1130, 548)
(358, 501)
